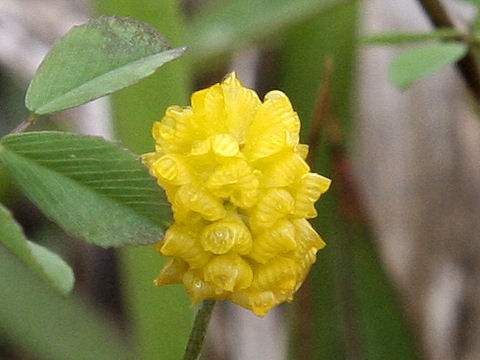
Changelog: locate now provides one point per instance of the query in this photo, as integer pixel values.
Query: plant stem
(199, 330)
(467, 66)
(25, 124)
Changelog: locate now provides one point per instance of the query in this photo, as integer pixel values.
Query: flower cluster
(241, 191)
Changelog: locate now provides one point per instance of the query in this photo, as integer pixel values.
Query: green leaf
(219, 29)
(96, 59)
(92, 188)
(46, 263)
(413, 65)
(393, 38)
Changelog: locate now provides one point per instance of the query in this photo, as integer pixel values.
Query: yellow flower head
(241, 191)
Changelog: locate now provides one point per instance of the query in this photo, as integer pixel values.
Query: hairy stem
(199, 330)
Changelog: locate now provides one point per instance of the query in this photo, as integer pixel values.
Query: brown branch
(467, 66)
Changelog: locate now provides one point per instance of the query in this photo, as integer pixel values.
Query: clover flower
(241, 191)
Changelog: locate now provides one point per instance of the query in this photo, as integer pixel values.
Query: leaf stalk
(25, 124)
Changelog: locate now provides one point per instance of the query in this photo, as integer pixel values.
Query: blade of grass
(356, 313)
(381, 318)
(330, 36)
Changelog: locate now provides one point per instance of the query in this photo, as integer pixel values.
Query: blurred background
(400, 276)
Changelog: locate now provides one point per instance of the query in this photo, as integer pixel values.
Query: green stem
(199, 330)
(25, 124)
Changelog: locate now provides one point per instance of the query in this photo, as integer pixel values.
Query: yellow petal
(172, 272)
(280, 273)
(284, 170)
(273, 204)
(278, 239)
(225, 145)
(241, 105)
(149, 158)
(266, 144)
(209, 108)
(302, 151)
(180, 241)
(276, 110)
(234, 180)
(225, 235)
(176, 129)
(308, 191)
(304, 261)
(200, 201)
(306, 235)
(245, 195)
(199, 289)
(171, 169)
(274, 127)
(164, 131)
(229, 272)
(231, 81)
(200, 147)
(261, 302)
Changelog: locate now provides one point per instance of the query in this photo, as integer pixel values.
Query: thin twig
(467, 66)
(199, 330)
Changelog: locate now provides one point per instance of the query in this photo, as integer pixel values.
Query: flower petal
(234, 180)
(172, 272)
(180, 241)
(225, 145)
(280, 273)
(280, 238)
(274, 204)
(284, 170)
(199, 289)
(306, 235)
(308, 191)
(229, 272)
(225, 235)
(241, 105)
(200, 201)
(171, 169)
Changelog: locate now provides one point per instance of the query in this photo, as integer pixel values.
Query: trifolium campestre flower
(241, 193)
